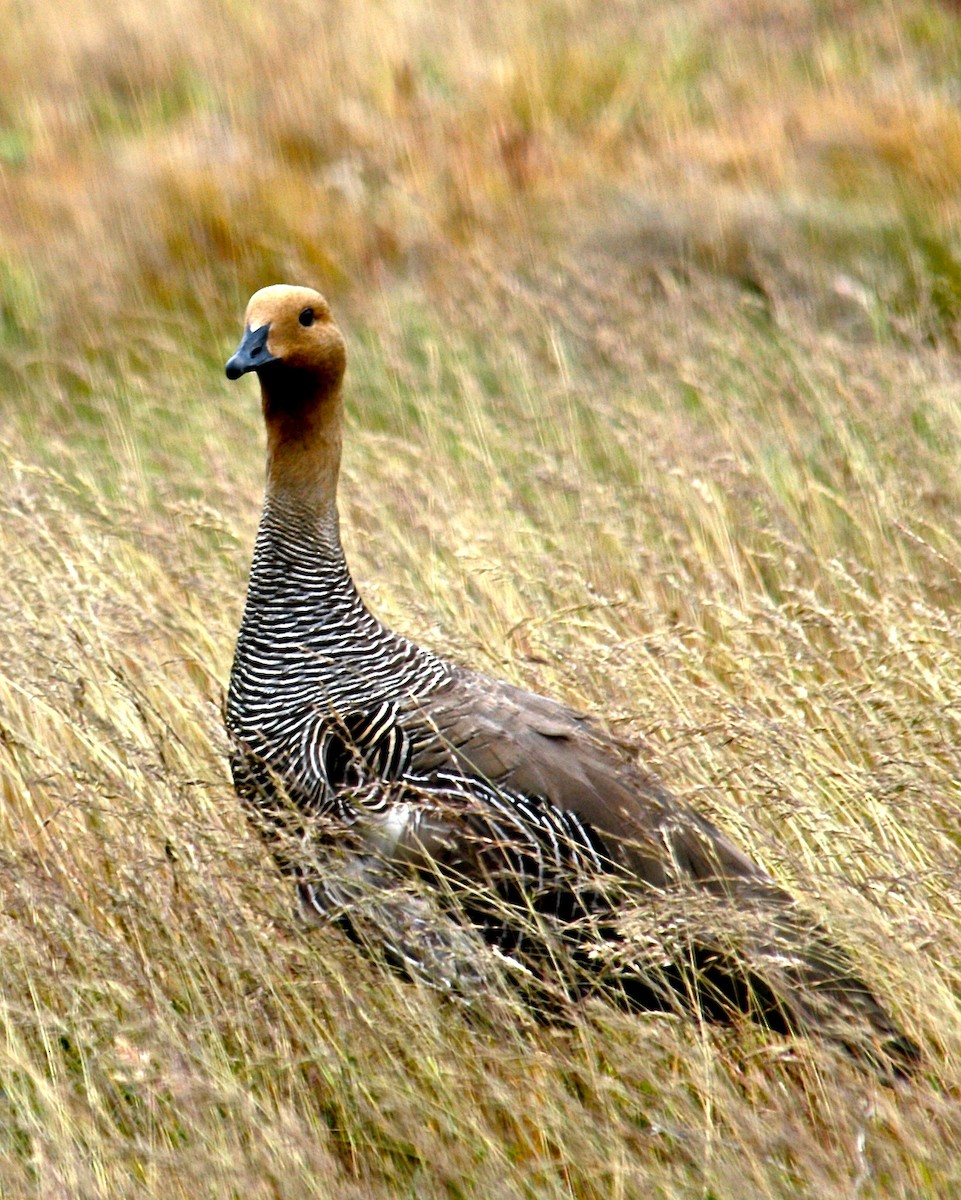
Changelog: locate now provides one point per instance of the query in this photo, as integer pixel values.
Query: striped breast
(309, 653)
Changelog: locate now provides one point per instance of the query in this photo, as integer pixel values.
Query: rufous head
(290, 335)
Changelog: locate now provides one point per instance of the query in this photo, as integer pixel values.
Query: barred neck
(307, 640)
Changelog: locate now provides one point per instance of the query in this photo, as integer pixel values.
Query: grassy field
(653, 314)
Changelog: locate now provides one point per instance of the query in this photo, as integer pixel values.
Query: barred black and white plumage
(370, 762)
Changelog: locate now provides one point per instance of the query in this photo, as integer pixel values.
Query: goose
(371, 763)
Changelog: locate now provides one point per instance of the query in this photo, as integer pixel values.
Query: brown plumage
(543, 828)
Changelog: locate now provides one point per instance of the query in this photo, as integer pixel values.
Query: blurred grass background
(653, 313)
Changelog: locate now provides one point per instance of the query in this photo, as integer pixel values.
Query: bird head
(290, 335)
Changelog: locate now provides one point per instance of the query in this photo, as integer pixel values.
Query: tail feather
(792, 977)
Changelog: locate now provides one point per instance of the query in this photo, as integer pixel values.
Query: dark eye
(306, 317)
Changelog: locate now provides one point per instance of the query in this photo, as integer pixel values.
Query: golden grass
(652, 314)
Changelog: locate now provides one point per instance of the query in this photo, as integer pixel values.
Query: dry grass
(667, 298)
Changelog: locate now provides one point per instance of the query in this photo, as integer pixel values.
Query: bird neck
(307, 638)
(304, 416)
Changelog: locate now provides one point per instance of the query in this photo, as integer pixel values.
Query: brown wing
(533, 746)
(528, 744)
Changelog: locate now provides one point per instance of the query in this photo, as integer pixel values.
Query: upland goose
(530, 832)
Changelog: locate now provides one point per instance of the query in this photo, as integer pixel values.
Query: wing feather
(534, 746)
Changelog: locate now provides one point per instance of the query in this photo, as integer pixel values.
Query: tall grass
(653, 316)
